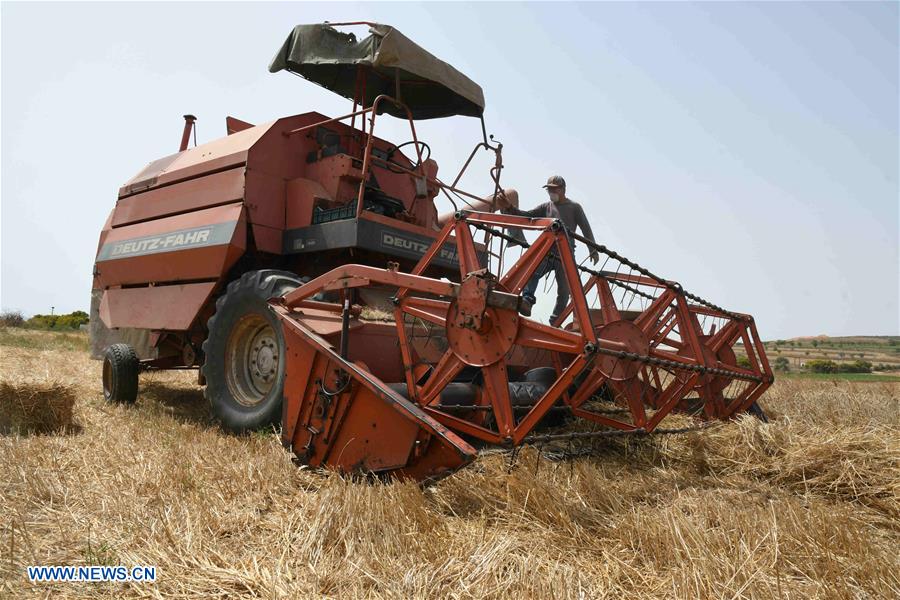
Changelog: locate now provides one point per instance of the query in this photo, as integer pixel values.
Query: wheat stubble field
(807, 506)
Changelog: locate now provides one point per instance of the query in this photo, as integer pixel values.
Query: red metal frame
(657, 362)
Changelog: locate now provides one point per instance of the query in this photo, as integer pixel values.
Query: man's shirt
(569, 212)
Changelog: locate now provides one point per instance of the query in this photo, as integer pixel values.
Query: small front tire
(120, 374)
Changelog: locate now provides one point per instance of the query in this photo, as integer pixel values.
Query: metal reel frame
(650, 373)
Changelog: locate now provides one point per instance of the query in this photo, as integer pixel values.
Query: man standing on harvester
(572, 215)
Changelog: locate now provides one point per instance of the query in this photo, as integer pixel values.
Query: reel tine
(537, 457)
(513, 458)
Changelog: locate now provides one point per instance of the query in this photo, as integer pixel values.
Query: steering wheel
(426, 153)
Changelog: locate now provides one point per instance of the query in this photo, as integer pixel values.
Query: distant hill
(856, 339)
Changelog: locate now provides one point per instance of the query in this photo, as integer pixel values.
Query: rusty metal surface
(338, 414)
(139, 307)
(101, 336)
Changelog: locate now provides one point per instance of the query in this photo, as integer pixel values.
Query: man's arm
(582, 222)
(535, 213)
(504, 201)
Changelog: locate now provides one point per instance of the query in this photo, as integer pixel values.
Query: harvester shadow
(184, 404)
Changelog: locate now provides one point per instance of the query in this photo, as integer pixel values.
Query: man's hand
(595, 256)
(505, 199)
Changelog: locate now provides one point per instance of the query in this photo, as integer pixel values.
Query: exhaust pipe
(189, 121)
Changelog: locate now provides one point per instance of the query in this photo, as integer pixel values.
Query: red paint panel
(186, 265)
(218, 214)
(218, 188)
(121, 263)
(233, 125)
(264, 199)
(375, 344)
(363, 426)
(229, 151)
(301, 195)
(338, 175)
(170, 307)
(268, 239)
(281, 155)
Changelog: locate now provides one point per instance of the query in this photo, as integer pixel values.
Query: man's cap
(555, 181)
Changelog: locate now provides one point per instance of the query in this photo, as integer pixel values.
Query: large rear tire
(244, 353)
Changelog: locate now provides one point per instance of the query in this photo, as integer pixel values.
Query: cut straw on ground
(804, 507)
(28, 407)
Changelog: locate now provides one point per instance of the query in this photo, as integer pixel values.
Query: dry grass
(35, 406)
(374, 314)
(805, 507)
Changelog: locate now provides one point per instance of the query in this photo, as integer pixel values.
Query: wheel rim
(252, 359)
(107, 379)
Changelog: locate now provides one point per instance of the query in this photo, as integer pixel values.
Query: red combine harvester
(303, 266)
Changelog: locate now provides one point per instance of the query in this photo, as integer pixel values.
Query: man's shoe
(525, 305)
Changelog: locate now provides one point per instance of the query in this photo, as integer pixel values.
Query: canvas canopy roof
(428, 86)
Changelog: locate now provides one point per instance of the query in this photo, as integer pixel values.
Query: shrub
(782, 364)
(857, 366)
(73, 320)
(829, 366)
(821, 366)
(11, 318)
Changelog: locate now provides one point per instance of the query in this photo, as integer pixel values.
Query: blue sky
(747, 150)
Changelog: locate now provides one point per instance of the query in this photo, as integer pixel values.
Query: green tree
(781, 364)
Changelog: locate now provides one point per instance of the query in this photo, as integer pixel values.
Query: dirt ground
(807, 506)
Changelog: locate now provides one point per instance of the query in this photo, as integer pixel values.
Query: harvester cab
(387, 339)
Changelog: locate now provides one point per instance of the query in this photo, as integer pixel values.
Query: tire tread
(125, 367)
